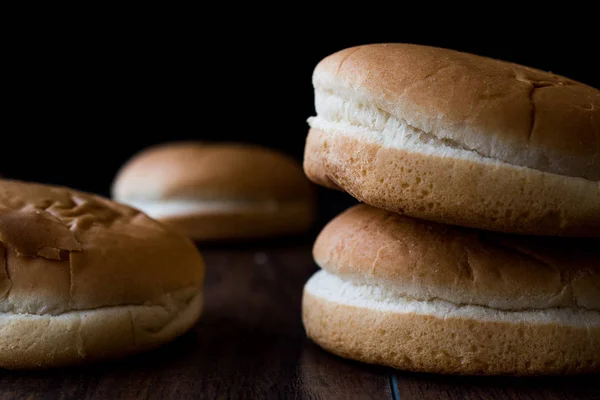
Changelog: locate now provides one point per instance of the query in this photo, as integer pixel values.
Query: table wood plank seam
(394, 386)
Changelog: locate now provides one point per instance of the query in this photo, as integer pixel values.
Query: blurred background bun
(213, 191)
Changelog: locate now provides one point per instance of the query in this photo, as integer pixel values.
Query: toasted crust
(67, 254)
(209, 171)
(428, 343)
(504, 111)
(456, 191)
(425, 260)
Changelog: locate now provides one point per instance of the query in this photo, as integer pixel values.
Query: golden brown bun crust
(66, 251)
(501, 110)
(426, 260)
(194, 170)
(452, 191)
(418, 342)
(315, 164)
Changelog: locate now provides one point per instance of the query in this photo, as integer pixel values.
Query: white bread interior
(383, 298)
(172, 208)
(369, 324)
(353, 116)
(29, 341)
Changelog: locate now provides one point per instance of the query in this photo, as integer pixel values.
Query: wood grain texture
(440, 387)
(249, 344)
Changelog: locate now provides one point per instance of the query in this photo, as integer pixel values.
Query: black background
(82, 101)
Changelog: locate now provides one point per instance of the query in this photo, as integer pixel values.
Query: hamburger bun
(458, 138)
(86, 279)
(421, 296)
(218, 191)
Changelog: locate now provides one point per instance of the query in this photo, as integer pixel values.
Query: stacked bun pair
(476, 250)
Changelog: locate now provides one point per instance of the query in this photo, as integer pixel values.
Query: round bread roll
(86, 279)
(421, 296)
(218, 191)
(458, 138)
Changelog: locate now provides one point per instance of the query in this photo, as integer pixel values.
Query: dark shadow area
(80, 106)
(331, 377)
(258, 244)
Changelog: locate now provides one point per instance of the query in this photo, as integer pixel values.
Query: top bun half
(494, 109)
(64, 250)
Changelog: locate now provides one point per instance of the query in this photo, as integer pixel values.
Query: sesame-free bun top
(500, 110)
(85, 278)
(426, 261)
(218, 191)
(458, 139)
(202, 170)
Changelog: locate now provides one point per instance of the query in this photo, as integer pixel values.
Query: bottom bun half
(376, 325)
(29, 341)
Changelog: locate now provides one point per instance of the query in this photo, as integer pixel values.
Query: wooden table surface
(250, 344)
